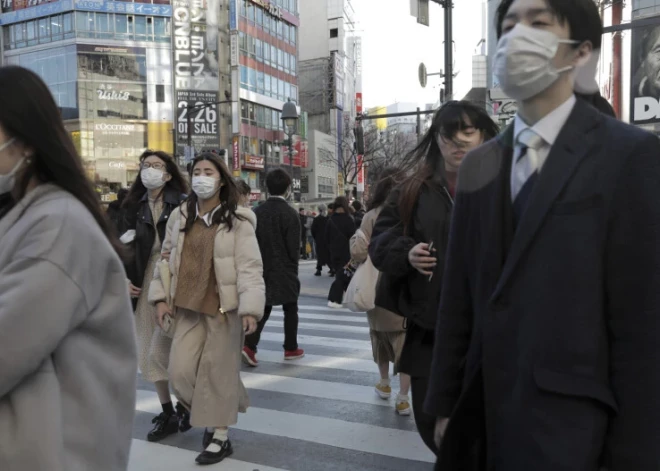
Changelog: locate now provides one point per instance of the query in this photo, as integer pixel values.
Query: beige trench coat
(219, 392)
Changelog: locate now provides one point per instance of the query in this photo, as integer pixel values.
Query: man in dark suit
(548, 337)
(278, 234)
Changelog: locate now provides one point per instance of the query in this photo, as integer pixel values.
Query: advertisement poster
(196, 71)
(235, 155)
(645, 70)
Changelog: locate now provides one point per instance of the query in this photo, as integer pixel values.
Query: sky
(394, 44)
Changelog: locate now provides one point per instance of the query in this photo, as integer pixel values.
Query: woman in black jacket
(416, 216)
(339, 230)
(159, 189)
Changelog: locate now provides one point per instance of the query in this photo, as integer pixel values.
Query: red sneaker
(250, 356)
(294, 354)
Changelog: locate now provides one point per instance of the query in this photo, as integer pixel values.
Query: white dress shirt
(548, 128)
(208, 217)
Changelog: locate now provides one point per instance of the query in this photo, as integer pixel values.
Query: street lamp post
(290, 119)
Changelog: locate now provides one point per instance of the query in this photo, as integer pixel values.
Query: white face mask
(7, 181)
(204, 187)
(152, 178)
(523, 61)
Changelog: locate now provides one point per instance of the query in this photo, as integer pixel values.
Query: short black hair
(243, 188)
(582, 17)
(277, 182)
(331, 206)
(356, 205)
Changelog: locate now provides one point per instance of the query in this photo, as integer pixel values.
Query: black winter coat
(402, 288)
(278, 233)
(339, 230)
(318, 232)
(138, 217)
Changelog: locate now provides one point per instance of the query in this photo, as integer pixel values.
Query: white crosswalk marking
(313, 414)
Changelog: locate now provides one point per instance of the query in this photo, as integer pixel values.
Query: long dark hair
(389, 178)
(177, 182)
(229, 194)
(28, 113)
(342, 202)
(425, 160)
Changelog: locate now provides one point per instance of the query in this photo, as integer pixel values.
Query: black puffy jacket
(402, 289)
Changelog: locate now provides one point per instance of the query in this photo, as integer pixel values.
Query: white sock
(221, 435)
(385, 382)
(402, 398)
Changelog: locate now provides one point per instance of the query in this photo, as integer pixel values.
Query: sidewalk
(310, 285)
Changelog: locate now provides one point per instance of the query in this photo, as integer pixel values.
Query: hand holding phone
(430, 249)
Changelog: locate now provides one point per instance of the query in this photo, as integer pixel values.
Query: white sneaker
(335, 305)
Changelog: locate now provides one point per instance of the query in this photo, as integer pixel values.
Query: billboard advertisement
(196, 72)
(645, 75)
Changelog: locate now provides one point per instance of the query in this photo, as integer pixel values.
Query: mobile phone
(430, 250)
(167, 323)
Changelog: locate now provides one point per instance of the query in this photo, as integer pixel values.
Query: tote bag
(361, 292)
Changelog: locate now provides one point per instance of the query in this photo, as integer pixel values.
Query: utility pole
(449, 47)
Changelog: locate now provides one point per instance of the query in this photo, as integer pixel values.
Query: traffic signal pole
(449, 47)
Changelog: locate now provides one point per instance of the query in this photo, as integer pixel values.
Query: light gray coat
(67, 341)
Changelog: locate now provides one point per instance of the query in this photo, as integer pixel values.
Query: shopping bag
(166, 279)
(361, 292)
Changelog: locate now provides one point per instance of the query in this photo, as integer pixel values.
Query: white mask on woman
(204, 187)
(152, 178)
(523, 61)
(7, 181)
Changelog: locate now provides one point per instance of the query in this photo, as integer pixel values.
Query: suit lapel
(571, 146)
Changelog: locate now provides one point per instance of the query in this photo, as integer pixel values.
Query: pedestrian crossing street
(318, 413)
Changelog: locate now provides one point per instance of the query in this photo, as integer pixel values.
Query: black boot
(166, 425)
(318, 273)
(184, 417)
(207, 457)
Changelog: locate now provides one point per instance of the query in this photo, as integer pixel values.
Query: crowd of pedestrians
(512, 290)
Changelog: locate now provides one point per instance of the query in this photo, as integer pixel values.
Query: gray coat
(67, 341)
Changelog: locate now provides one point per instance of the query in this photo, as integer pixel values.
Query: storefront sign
(107, 92)
(233, 41)
(110, 129)
(253, 162)
(269, 7)
(358, 103)
(254, 197)
(360, 174)
(196, 71)
(235, 159)
(645, 70)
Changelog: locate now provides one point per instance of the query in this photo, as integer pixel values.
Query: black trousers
(340, 285)
(425, 423)
(290, 328)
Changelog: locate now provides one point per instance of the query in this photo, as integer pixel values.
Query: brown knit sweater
(197, 289)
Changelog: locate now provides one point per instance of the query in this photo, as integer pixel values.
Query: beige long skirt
(205, 365)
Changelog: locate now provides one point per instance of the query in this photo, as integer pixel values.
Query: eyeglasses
(156, 166)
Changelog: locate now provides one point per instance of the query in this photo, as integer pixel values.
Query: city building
(108, 66)
(331, 75)
(264, 39)
(319, 181)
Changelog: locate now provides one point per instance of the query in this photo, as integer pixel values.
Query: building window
(294, 70)
(334, 33)
(250, 12)
(294, 93)
(294, 32)
(258, 45)
(266, 48)
(267, 84)
(245, 144)
(244, 4)
(260, 17)
(160, 93)
(242, 42)
(252, 48)
(280, 27)
(244, 111)
(280, 59)
(260, 82)
(244, 76)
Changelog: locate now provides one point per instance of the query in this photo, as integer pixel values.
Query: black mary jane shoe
(207, 457)
(164, 426)
(184, 417)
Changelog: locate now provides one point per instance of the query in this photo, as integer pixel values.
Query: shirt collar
(208, 217)
(550, 125)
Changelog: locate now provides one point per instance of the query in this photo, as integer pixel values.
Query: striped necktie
(525, 171)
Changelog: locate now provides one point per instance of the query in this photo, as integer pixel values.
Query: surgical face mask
(152, 178)
(204, 187)
(523, 61)
(7, 181)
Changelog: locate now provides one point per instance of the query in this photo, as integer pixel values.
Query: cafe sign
(253, 162)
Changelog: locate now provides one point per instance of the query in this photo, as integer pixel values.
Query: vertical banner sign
(233, 46)
(233, 15)
(235, 157)
(645, 70)
(360, 174)
(196, 72)
(358, 103)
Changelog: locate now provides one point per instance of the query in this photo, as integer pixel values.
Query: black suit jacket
(548, 339)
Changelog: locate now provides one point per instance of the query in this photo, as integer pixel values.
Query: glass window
(244, 111)
(31, 27)
(254, 146)
(280, 59)
(279, 29)
(260, 82)
(286, 62)
(252, 80)
(285, 32)
(150, 28)
(266, 84)
(250, 12)
(274, 117)
(56, 27)
(267, 21)
(244, 75)
(273, 87)
(261, 111)
(258, 44)
(292, 35)
(140, 27)
(267, 53)
(251, 112)
(280, 90)
(259, 16)
(44, 30)
(294, 71)
(104, 26)
(273, 56)
(294, 93)
(82, 22)
(67, 21)
(244, 8)
(251, 46)
(268, 118)
(287, 90)
(242, 41)
(245, 144)
(121, 26)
